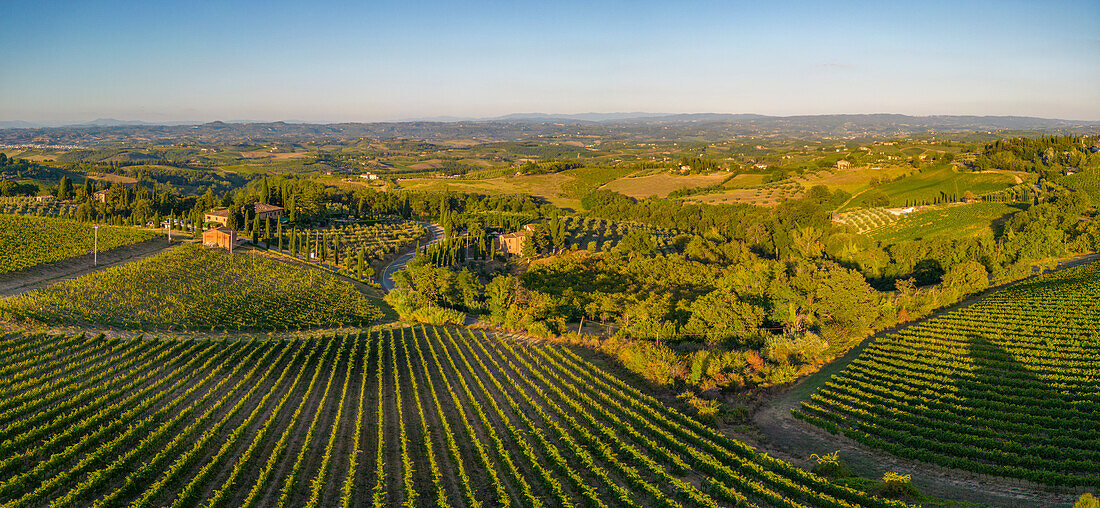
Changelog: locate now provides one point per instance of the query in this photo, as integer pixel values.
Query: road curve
(387, 275)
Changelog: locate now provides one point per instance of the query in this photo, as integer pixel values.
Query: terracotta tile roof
(224, 212)
(264, 207)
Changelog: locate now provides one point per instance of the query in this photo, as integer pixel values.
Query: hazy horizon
(109, 121)
(327, 62)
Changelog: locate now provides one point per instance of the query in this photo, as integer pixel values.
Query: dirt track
(37, 277)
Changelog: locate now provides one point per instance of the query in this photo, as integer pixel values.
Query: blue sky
(367, 61)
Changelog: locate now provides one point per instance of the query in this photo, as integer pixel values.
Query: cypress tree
(336, 249)
(279, 228)
(360, 256)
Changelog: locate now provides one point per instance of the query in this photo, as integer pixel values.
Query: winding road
(387, 275)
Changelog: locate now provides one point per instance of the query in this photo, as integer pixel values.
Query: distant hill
(630, 126)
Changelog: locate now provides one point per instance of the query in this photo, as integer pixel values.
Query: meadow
(27, 241)
(197, 288)
(397, 417)
(1005, 387)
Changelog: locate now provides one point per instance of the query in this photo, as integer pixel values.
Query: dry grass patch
(661, 184)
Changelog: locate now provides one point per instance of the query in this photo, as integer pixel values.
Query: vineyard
(23, 205)
(341, 246)
(1009, 386)
(399, 417)
(195, 288)
(1087, 181)
(26, 241)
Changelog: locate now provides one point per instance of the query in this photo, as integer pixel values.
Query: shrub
(1087, 500)
(794, 347)
(438, 316)
(895, 485)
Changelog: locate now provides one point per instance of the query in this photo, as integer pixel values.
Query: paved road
(387, 275)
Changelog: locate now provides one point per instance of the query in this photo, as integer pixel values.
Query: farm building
(100, 195)
(843, 164)
(220, 216)
(264, 210)
(511, 243)
(368, 176)
(222, 237)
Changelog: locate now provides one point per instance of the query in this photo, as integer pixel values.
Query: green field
(27, 241)
(424, 416)
(196, 288)
(934, 182)
(954, 221)
(1005, 387)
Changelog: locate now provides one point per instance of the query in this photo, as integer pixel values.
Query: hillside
(1004, 387)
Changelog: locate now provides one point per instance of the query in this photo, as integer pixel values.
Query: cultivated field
(935, 182)
(547, 186)
(599, 234)
(27, 241)
(412, 417)
(1008, 386)
(196, 288)
(952, 221)
(866, 220)
(662, 183)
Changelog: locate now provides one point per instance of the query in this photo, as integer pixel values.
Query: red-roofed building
(264, 210)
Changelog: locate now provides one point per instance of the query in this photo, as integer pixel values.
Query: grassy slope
(563, 189)
(661, 184)
(929, 183)
(957, 221)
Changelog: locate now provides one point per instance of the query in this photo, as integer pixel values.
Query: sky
(329, 61)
